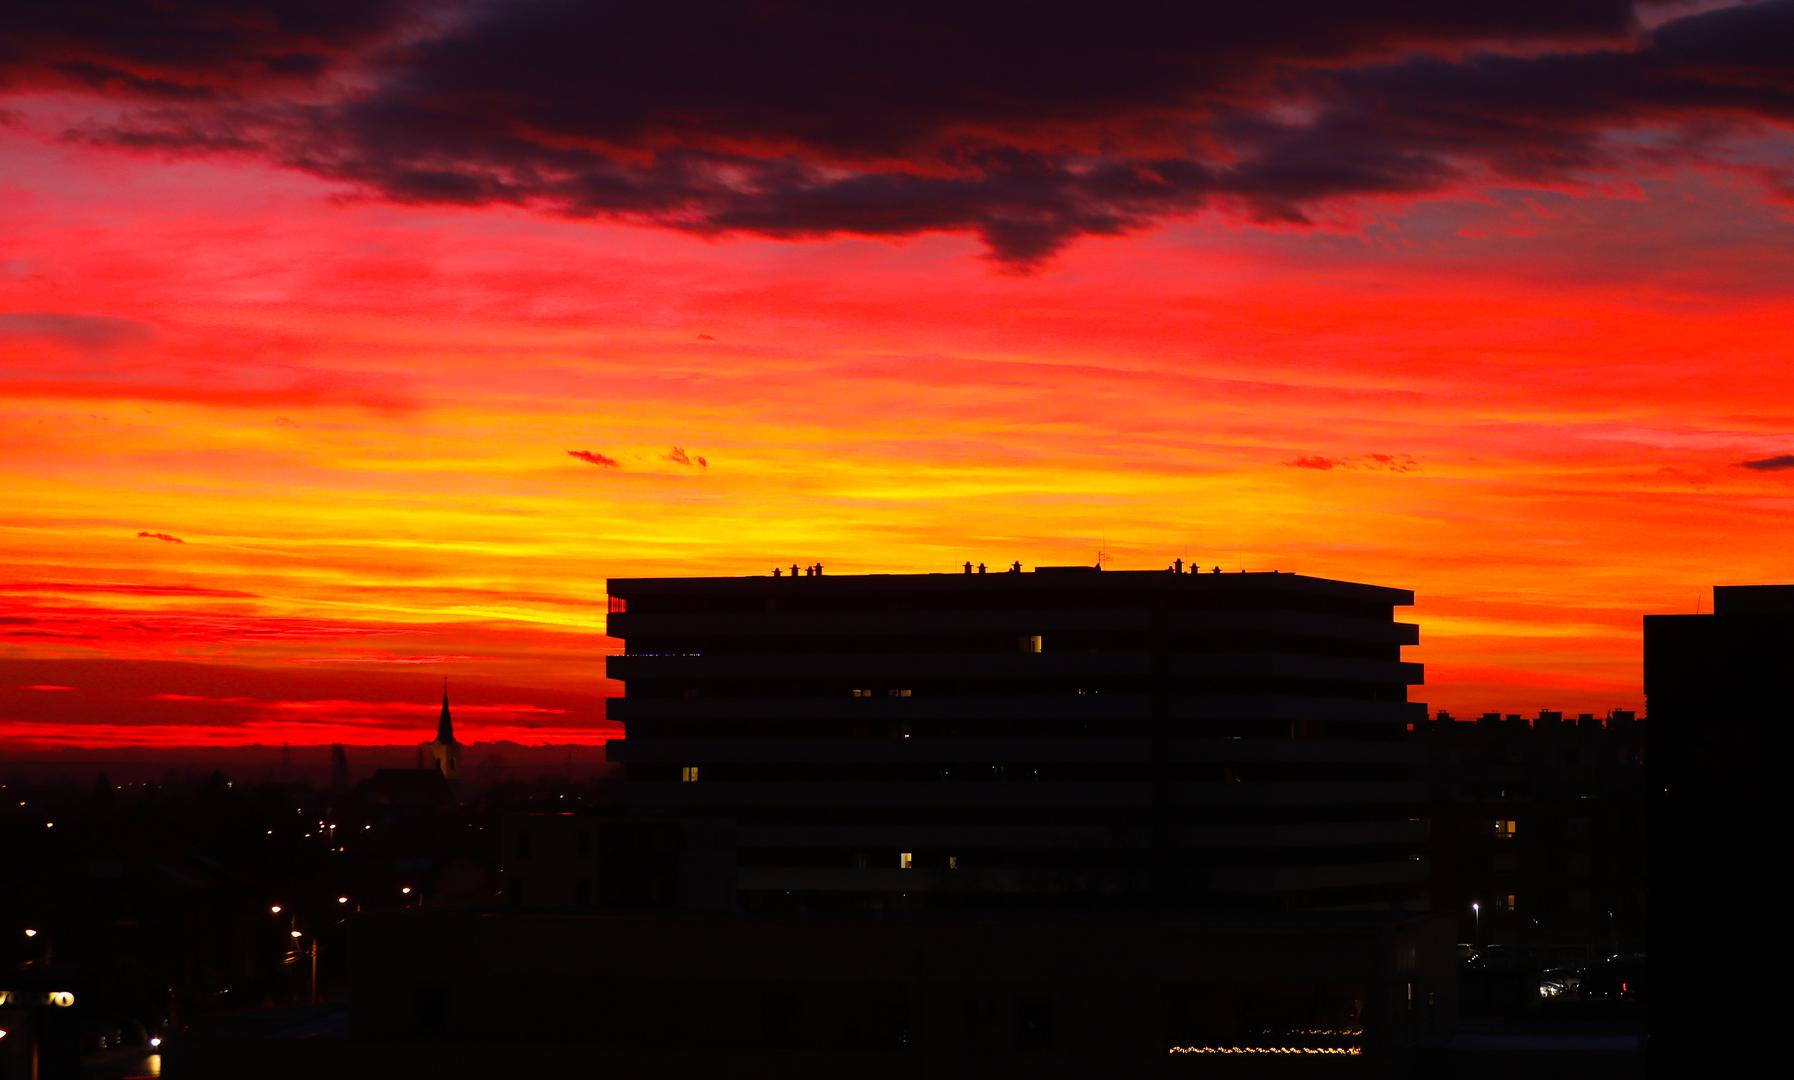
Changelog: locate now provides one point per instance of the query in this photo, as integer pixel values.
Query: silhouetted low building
(1539, 823)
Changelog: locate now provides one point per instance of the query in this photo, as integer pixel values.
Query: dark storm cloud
(1027, 124)
(183, 49)
(1770, 464)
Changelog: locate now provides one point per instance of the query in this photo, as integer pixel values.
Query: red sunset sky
(304, 309)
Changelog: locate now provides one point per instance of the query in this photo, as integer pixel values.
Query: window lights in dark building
(1504, 828)
(689, 774)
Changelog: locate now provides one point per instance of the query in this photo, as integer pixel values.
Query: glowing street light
(274, 909)
(342, 899)
(1476, 911)
(405, 889)
(295, 934)
(30, 932)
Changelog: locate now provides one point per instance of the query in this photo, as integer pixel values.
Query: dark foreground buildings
(1072, 821)
(1069, 822)
(1538, 822)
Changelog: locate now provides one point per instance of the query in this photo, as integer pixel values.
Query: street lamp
(30, 932)
(1476, 911)
(274, 909)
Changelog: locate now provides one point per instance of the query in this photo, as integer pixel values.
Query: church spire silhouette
(445, 725)
(444, 754)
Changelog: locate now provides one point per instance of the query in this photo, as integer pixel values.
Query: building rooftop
(1041, 578)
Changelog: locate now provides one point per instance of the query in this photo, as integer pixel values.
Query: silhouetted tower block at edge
(1720, 695)
(444, 753)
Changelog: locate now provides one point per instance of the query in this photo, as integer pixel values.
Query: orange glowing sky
(279, 450)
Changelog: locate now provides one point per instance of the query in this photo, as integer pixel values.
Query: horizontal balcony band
(1306, 878)
(902, 668)
(1020, 793)
(747, 709)
(1017, 621)
(972, 751)
(1083, 880)
(987, 837)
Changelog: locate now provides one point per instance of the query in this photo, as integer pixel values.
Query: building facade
(1031, 739)
(1536, 843)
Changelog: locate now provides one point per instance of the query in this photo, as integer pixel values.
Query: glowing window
(1031, 643)
(901, 693)
(905, 860)
(861, 693)
(952, 862)
(1504, 828)
(1505, 902)
(689, 774)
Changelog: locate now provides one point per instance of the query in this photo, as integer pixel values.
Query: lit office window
(952, 862)
(1505, 902)
(689, 774)
(905, 860)
(1031, 643)
(1504, 828)
(857, 692)
(901, 693)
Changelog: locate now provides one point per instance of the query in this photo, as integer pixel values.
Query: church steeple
(445, 727)
(443, 755)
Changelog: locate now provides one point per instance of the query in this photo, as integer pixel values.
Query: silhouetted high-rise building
(1720, 691)
(1067, 736)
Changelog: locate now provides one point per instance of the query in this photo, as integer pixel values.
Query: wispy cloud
(162, 536)
(595, 458)
(1770, 464)
(678, 456)
(1369, 462)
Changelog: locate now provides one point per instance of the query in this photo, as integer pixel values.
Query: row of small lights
(1348, 1051)
(276, 909)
